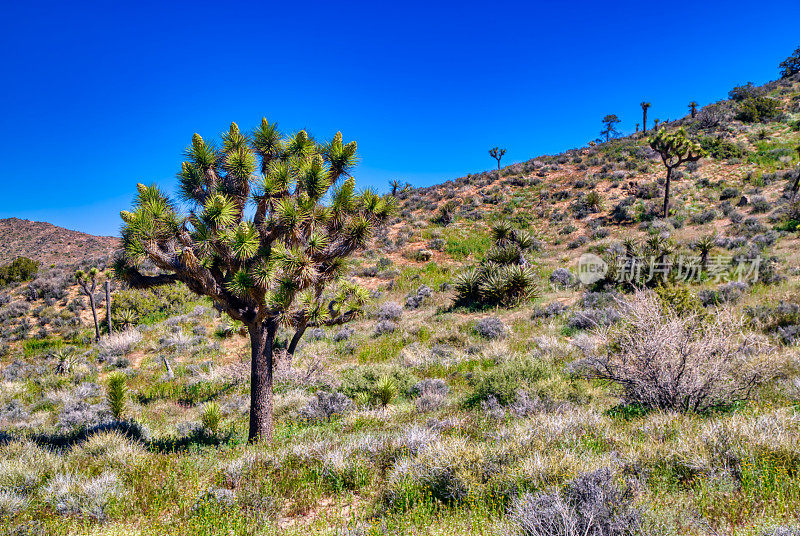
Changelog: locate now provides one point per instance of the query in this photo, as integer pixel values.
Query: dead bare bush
(689, 361)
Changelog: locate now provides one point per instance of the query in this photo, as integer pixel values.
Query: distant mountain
(49, 244)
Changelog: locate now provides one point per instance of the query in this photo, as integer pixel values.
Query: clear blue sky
(97, 96)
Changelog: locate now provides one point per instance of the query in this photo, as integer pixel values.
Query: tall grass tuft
(211, 417)
(117, 395)
(385, 390)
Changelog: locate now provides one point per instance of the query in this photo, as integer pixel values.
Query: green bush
(147, 306)
(721, 149)
(744, 92)
(360, 380)
(758, 109)
(791, 65)
(680, 299)
(460, 244)
(19, 270)
(503, 382)
(770, 153)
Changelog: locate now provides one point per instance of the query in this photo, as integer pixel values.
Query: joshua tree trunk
(644, 120)
(170, 373)
(94, 315)
(108, 306)
(666, 192)
(298, 335)
(262, 337)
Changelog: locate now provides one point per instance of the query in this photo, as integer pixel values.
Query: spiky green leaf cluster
(676, 147)
(258, 234)
(505, 277)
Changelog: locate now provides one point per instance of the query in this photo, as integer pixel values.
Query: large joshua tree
(258, 238)
(645, 106)
(675, 150)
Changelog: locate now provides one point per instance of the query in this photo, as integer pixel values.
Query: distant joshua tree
(656, 121)
(88, 283)
(610, 126)
(693, 108)
(497, 154)
(396, 186)
(637, 127)
(675, 149)
(645, 106)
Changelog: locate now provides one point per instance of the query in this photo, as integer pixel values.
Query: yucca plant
(364, 399)
(117, 395)
(704, 245)
(594, 200)
(631, 246)
(468, 286)
(125, 318)
(211, 417)
(445, 214)
(504, 278)
(796, 183)
(519, 285)
(259, 239)
(64, 357)
(230, 327)
(385, 390)
(507, 254)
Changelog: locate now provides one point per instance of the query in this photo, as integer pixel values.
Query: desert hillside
(483, 385)
(49, 244)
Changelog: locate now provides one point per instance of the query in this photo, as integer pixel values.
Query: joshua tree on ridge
(675, 149)
(645, 106)
(258, 239)
(497, 154)
(693, 108)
